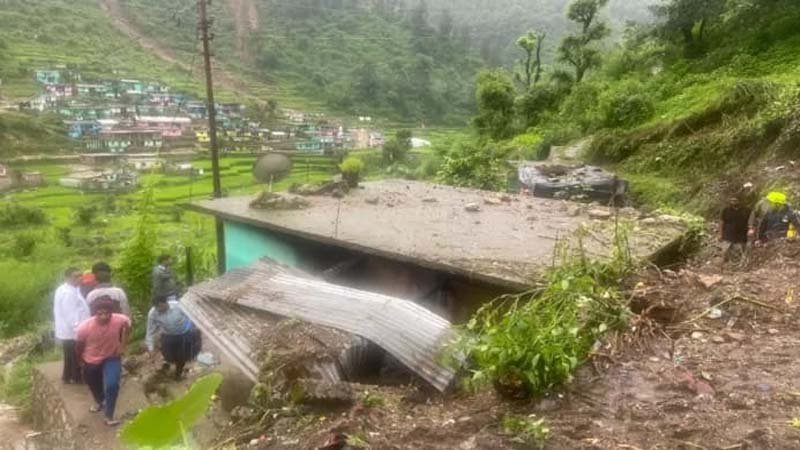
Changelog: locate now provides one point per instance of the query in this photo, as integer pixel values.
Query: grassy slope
(717, 118)
(76, 33)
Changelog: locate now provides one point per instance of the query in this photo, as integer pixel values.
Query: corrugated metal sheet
(410, 333)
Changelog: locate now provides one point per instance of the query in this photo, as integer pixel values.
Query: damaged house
(391, 265)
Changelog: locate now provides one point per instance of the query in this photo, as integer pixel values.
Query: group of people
(771, 219)
(92, 320)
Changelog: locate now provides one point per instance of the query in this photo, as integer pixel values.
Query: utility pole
(205, 25)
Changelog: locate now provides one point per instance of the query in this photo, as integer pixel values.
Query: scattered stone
(718, 339)
(709, 281)
(773, 331)
(738, 337)
(697, 335)
(271, 200)
(372, 200)
(429, 200)
(574, 211)
(599, 214)
(472, 207)
(665, 218)
(491, 201)
(648, 221)
(505, 198)
(715, 313)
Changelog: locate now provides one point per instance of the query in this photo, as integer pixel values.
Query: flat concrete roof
(507, 242)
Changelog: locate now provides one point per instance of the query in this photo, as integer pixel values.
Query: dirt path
(113, 9)
(12, 432)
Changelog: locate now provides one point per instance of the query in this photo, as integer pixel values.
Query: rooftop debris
(233, 308)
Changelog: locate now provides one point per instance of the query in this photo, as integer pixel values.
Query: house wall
(245, 245)
(452, 296)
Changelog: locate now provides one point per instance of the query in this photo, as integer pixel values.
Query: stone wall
(50, 416)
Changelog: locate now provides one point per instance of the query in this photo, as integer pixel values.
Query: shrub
(351, 170)
(627, 110)
(85, 215)
(530, 343)
(14, 214)
(473, 166)
(23, 245)
(138, 256)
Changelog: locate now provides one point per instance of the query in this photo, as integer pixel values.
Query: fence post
(189, 268)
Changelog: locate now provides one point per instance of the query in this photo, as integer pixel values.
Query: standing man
(104, 288)
(164, 284)
(771, 218)
(69, 311)
(101, 342)
(180, 339)
(733, 228)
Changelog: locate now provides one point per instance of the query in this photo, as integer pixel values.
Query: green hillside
(356, 57)
(78, 34)
(688, 109)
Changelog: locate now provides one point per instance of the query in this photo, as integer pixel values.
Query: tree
(495, 97)
(446, 25)
(576, 49)
(396, 149)
(531, 43)
(138, 255)
(688, 19)
(367, 84)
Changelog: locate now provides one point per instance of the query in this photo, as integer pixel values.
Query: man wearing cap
(770, 218)
(104, 288)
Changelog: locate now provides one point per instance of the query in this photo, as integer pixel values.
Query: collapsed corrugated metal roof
(234, 309)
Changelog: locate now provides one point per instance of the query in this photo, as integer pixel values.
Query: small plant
(372, 400)
(85, 215)
(24, 244)
(795, 422)
(358, 441)
(351, 170)
(139, 255)
(159, 426)
(530, 430)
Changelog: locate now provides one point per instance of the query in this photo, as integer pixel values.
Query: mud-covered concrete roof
(507, 241)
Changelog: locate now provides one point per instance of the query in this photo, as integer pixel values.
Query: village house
(45, 76)
(168, 126)
(448, 249)
(365, 138)
(145, 162)
(132, 87)
(100, 159)
(91, 89)
(60, 90)
(78, 129)
(6, 181)
(31, 179)
(196, 110)
(87, 179)
(125, 140)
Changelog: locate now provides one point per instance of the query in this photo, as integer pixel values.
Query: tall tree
(531, 43)
(577, 49)
(688, 19)
(495, 97)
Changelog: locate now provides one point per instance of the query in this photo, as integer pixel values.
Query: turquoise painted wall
(245, 244)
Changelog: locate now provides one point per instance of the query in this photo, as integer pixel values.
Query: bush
(85, 215)
(14, 214)
(627, 110)
(351, 170)
(530, 343)
(23, 245)
(473, 166)
(139, 255)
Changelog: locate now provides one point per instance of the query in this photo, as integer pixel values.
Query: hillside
(688, 109)
(78, 34)
(354, 57)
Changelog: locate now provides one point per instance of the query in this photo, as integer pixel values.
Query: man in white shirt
(69, 310)
(104, 288)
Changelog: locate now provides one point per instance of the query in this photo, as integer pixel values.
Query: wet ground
(12, 432)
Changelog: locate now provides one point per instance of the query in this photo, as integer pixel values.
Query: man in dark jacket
(733, 228)
(164, 284)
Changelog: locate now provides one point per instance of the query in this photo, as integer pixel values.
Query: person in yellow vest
(771, 219)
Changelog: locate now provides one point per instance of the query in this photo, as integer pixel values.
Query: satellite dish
(271, 167)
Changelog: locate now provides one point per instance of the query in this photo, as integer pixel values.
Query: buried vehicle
(573, 182)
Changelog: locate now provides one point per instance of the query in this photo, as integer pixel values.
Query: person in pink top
(100, 343)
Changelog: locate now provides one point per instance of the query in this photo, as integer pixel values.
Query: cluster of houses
(132, 116)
